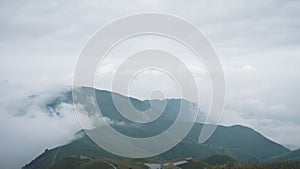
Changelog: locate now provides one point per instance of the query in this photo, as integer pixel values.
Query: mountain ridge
(237, 141)
(187, 148)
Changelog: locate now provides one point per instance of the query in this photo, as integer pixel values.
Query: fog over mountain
(45, 120)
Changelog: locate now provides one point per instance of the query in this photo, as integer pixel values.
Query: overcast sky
(258, 43)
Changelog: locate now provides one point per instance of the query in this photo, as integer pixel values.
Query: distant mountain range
(236, 142)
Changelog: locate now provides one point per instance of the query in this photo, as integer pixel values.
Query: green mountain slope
(246, 139)
(293, 155)
(218, 160)
(75, 162)
(187, 148)
(194, 164)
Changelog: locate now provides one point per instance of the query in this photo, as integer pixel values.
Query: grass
(194, 164)
(252, 165)
(171, 166)
(95, 164)
(121, 164)
(98, 163)
(218, 160)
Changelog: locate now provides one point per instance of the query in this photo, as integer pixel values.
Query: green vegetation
(89, 163)
(104, 163)
(294, 155)
(124, 164)
(244, 144)
(187, 148)
(145, 160)
(218, 160)
(171, 166)
(77, 163)
(251, 165)
(194, 164)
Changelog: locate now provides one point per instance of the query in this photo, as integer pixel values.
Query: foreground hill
(211, 162)
(74, 162)
(253, 165)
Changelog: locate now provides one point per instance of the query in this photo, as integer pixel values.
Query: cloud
(28, 127)
(109, 68)
(248, 68)
(266, 101)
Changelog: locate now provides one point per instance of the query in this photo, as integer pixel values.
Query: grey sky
(258, 44)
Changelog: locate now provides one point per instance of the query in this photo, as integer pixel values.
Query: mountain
(187, 148)
(239, 142)
(246, 140)
(293, 155)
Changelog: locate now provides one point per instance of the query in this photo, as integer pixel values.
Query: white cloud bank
(26, 128)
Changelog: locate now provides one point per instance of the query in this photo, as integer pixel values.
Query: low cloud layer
(28, 128)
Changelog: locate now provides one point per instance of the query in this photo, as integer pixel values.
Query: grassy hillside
(241, 140)
(90, 163)
(77, 163)
(218, 159)
(251, 165)
(194, 164)
(189, 147)
(103, 163)
(294, 155)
